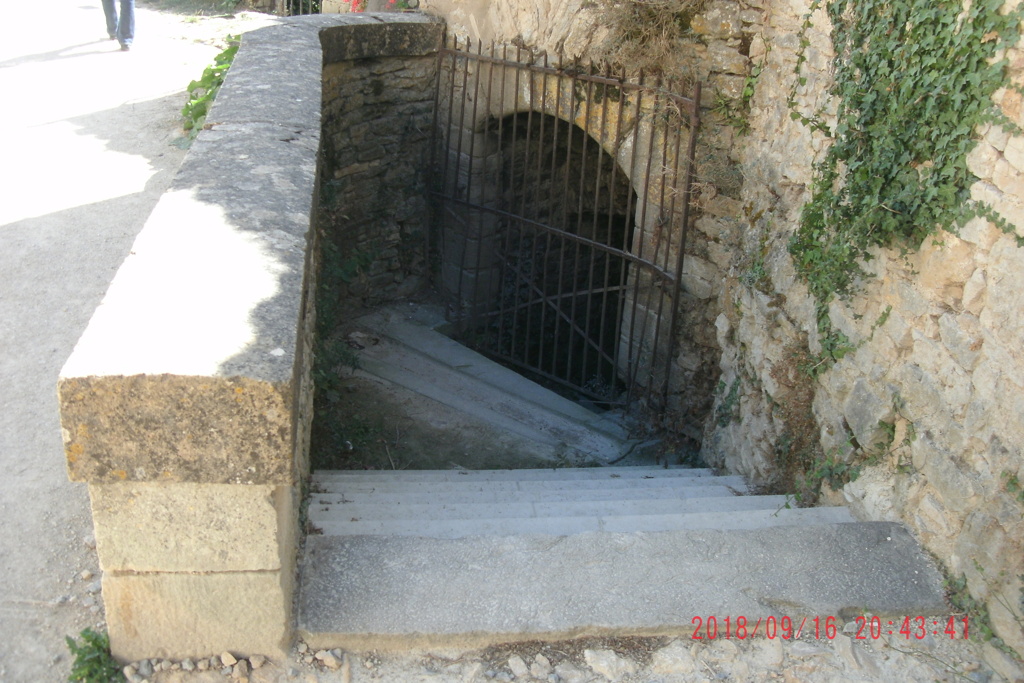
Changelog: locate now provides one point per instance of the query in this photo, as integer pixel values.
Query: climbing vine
(913, 81)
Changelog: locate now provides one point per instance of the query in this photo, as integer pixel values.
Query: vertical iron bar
(691, 150)
(498, 199)
(517, 268)
(663, 237)
(644, 202)
(655, 234)
(579, 230)
(470, 177)
(546, 237)
(446, 222)
(565, 211)
(672, 293)
(636, 241)
(437, 180)
(556, 126)
(455, 189)
(608, 237)
(624, 264)
(531, 253)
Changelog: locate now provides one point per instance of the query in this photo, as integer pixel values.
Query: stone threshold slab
(366, 592)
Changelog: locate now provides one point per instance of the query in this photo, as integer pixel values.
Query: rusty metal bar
(691, 154)
(558, 309)
(471, 177)
(460, 312)
(499, 194)
(548, 235)
(512, 170)
(668, 276)
(527, 240)
(564, 234)
(563, 272)
(571, 356)
(626, 235)
(622, 84)
(663, 236)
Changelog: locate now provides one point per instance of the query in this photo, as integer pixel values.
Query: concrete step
(506, 487)
(397, 591)
(412, 355)
(421, 332)
(322, 511)
(429, 526)
(540, 474)
(455, 503)
(487, 496)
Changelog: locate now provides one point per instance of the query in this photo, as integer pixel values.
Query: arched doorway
(563, 203)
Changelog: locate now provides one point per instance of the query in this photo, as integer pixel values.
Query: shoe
(112, 36)
(125, 47)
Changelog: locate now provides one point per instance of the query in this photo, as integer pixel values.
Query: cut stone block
(176, 429)
(379, 592)
(187, 615)
(191, 527)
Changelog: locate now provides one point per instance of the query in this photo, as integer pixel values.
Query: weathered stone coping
(186, 403)
(189, 369)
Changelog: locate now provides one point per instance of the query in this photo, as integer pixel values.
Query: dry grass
(650, 34)
(798, 447)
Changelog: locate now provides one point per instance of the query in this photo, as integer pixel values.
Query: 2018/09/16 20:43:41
(785, 627)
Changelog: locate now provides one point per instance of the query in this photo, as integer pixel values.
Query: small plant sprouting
(1013, 485)
(202, 92)
(93, 661)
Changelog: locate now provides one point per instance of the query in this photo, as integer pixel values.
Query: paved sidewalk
(86, 152)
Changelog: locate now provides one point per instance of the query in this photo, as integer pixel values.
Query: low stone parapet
(186, 405)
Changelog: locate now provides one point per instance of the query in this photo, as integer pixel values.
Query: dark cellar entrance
(560, 297)
(563, 203)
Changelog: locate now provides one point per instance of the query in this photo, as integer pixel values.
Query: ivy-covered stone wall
(905, 400)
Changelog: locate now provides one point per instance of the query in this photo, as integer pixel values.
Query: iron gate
(563, 196)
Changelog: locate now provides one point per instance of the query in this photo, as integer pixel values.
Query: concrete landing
(402, 348)
(369, 592)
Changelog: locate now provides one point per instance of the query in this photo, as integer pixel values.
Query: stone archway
(534, 157)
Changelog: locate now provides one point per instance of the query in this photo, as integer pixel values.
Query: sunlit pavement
(88, 147)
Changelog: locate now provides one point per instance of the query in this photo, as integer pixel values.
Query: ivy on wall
(913, 81)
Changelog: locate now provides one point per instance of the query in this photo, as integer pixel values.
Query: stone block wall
(944, 364)
(187, 403)
(378, 119)
(937, 336)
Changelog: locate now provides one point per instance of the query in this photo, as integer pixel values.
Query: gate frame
(459, 196)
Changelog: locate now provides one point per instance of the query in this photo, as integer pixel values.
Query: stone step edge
(424, 337)
(319, 510)
(571, 526)
(407, 591)
(584, 438)
(526, 496)
(733, 482)
(545, 473)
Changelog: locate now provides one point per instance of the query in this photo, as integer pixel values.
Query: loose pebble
(228, 659)
(257, 661)
(145, 668)
(518, 667)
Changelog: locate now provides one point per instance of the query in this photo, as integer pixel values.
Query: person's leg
(110, 11)
(126, 23)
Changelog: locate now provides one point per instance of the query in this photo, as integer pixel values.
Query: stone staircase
(461, 557)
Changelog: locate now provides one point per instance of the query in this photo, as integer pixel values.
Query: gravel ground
(90, 145)
(622, 660)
